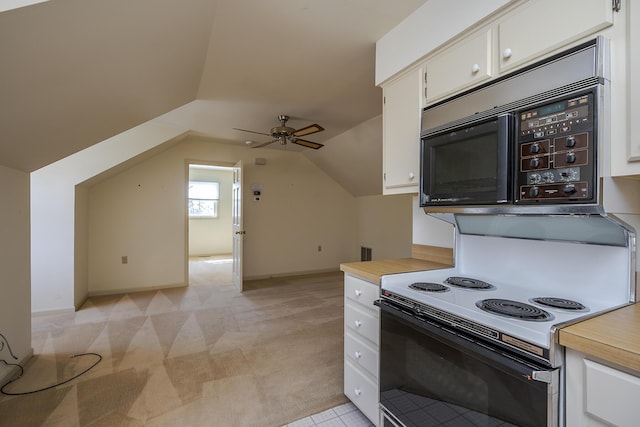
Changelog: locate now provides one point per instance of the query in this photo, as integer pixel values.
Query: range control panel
(557, 152)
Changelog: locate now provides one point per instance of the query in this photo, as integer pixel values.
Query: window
(203, 199)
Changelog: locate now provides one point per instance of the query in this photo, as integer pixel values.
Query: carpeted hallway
(204, 355)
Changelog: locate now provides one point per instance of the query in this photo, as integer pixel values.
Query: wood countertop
(613, 337)
(373, 270)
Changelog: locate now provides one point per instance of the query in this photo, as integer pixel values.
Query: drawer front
(361, 391)
(360, 353)
(601, 382)
(362, 321)
(361, 291)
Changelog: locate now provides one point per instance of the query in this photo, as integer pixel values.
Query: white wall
(53, 210)
(430, 231)
(15, 316)
(81, 272)
(141, 213)
(212, 236)
(384, 225)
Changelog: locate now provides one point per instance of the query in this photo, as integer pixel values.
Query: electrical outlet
(125, 259)
(319, 248)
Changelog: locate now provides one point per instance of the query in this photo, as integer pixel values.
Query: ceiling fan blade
(308, 130)
(264, 143)
(305, 143)
(251, 131)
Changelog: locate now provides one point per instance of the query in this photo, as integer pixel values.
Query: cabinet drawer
(360, 353)
(361, 391)
(363, 322)
(361, 291)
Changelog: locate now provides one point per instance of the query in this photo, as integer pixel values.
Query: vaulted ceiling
(76, 72)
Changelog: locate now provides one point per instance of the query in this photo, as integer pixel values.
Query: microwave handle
(506, 143)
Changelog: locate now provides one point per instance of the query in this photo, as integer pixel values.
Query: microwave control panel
(556, 152)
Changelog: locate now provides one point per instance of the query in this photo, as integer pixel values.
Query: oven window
(425, 381)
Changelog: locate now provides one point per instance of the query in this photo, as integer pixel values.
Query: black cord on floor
(51, 386)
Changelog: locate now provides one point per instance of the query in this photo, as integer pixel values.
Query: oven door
(433, 376)
(468, 165)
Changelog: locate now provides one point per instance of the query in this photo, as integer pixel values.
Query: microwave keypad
(555, 152)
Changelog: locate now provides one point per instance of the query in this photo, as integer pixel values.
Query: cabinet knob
(358, 292)
(357, 391)
(411, 176)
(475, 68)
(357, 354)
(357, 323)
(506, 54)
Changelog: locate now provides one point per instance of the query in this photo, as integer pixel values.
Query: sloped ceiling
(76, 72)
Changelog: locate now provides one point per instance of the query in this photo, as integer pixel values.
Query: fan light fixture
(284, 134)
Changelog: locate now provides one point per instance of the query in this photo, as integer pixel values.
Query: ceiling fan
(284, 134)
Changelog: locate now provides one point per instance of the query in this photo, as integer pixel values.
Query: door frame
(189, 162)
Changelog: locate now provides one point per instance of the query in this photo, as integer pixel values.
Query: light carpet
(202, 355)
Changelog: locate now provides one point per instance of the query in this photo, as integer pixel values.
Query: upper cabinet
(634, 84)
(460, 67)
(541, 26)
(510, 36)
(401, 114)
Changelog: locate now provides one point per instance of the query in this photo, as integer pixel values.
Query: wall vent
(365, 254)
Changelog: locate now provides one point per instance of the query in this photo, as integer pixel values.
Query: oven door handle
(524, 370)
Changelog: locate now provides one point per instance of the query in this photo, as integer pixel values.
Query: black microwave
(540, 153)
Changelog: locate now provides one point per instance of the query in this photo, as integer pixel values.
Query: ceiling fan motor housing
(282, 132)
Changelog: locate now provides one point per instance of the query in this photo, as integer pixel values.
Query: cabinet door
(459, 67)
(539, 27)
(401, 133)
(634, 84)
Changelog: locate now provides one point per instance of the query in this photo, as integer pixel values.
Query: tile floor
(346, 415)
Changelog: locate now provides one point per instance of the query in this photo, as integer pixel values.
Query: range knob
(570, 157)
(534, 192)
(534, 162)
(570, 141)
(535, 148)
(569, 189)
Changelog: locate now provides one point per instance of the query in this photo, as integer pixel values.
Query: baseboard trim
(292, 274)
(53, 312)
(11, 372)
(135, 290)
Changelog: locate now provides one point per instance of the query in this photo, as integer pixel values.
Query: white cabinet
(361, 345)
(633, 152)
(598, 395)
(540, 26)
(459, 67)
(403, 101)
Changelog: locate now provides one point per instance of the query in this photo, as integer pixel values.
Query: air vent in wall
(365, 254)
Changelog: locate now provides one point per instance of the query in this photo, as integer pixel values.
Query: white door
(237, 230)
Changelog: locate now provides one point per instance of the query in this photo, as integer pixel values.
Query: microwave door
(469, 165)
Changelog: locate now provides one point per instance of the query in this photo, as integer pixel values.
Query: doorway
(211, 215)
